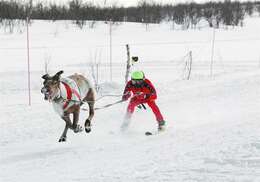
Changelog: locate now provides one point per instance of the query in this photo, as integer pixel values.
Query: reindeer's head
(50, 87)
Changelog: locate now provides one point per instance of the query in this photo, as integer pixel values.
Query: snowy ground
(212, 122)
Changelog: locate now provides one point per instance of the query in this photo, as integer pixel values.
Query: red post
(28, 61)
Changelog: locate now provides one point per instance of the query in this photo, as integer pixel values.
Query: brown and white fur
(53, 92)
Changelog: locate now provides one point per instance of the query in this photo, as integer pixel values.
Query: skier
(143, 93)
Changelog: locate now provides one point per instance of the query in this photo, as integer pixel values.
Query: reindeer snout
(45, 92)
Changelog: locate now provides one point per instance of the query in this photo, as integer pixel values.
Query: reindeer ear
(46, 76)
(57, 75)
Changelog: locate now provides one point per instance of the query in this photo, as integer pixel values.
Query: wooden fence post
(128, 64)
(190, 61)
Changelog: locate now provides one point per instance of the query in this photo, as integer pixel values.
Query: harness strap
(76, 93)
(69, 91)
(69, 94)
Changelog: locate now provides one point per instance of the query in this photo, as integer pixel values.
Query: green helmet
(137, 75)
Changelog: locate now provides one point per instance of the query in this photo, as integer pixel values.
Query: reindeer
(67, 95)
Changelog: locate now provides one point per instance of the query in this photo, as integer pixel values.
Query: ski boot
(161, 126)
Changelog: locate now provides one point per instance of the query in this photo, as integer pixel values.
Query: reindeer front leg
(76, 127)
(68, 125)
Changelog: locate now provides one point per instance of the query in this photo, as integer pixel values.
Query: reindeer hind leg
(90, 99)
(91, 115)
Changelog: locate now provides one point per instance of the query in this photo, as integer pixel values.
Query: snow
(212, 122)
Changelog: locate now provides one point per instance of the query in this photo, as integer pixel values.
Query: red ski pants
(151, 103)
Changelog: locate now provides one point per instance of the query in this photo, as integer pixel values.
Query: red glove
(126, 96)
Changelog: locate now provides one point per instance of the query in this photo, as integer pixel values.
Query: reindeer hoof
(88, 129)
(87, 126)
(78, 129)
(62, 139)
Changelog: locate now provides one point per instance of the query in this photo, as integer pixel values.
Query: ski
(149, 133)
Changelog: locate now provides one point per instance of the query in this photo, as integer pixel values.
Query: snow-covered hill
(212, 122)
